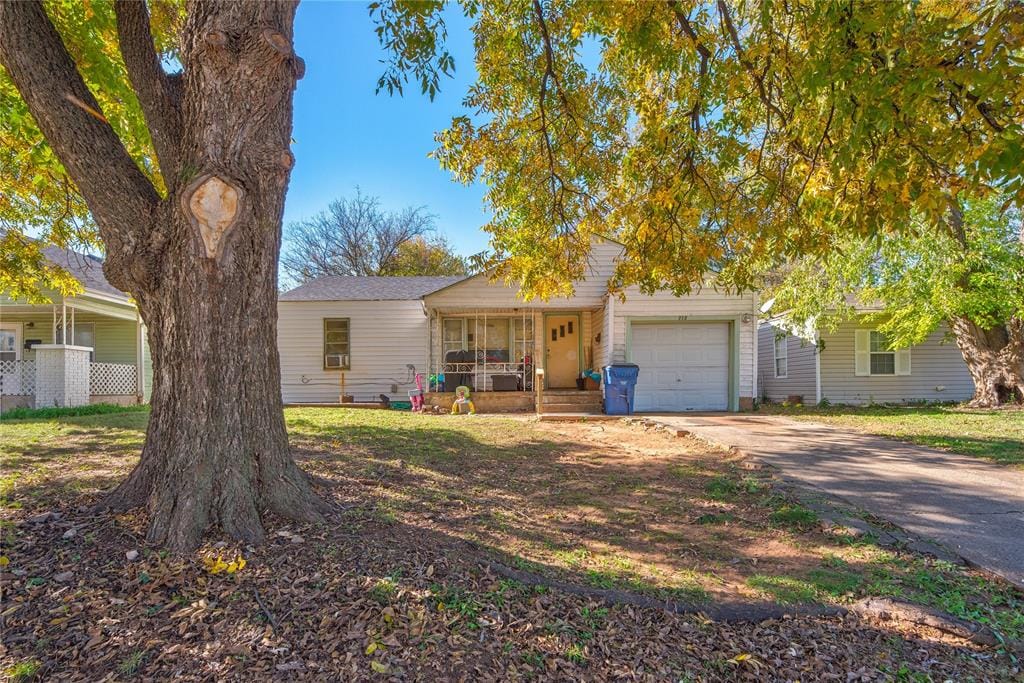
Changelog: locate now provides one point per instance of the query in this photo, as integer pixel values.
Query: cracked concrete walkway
(973, 507)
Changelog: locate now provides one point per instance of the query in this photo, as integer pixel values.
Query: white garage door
(683, 366)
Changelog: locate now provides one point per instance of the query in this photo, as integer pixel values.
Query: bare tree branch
(355, 236)
(156, 90)
(120, 197)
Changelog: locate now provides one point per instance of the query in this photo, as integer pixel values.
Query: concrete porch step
(576, 397)
(576, 417)
(570, 408)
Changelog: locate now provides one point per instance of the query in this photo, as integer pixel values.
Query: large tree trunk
(202, 261)
(216, 452)
(995, 359)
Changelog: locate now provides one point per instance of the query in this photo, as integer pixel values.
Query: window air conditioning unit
(336, 360)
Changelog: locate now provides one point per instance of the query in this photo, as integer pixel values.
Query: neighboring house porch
(89, 348)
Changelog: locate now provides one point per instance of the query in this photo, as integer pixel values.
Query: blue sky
(345, 135)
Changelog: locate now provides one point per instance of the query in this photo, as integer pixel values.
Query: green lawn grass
(566, 500)
(997, 435)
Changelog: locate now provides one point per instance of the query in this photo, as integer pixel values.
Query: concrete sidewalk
(971, 506)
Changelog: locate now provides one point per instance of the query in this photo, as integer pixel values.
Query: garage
(683, 365)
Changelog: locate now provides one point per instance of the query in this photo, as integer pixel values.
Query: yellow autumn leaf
(379, 667)
(4, 561)
(371, 648)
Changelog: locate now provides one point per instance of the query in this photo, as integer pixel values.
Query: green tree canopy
(922, 278)
(38, 199)
(725, 136)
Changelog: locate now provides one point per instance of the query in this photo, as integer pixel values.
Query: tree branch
(157, 94)
(120, 197)
(705, 55)
(762, 90)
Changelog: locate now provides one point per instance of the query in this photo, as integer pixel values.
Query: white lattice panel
(111, 378)
(17, 377)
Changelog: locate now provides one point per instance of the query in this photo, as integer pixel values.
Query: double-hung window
(337, 344)
(782, 357)
(883, 358)
(875, 355)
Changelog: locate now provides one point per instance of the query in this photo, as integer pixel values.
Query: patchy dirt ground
(398, 585)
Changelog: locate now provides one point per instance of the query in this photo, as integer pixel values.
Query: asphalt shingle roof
(369, 288)
(85, 268)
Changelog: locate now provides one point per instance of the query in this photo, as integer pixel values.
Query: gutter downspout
(817, 367)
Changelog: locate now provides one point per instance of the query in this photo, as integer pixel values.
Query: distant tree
(971, 280)
(427, 255)
(355, 236)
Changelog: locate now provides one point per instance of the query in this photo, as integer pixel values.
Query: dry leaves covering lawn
(396, 585)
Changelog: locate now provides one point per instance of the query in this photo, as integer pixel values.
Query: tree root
(889, 609)
(718, 611)
(885, 609)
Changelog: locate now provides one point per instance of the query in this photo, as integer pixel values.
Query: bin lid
(621, 365)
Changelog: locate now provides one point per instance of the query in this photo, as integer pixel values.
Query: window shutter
(861, 352)
(903, 362)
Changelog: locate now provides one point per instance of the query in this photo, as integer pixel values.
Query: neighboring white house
(88, 348)
(695, 352)
(855, 365)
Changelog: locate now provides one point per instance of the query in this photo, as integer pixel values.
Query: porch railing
(17, 377)
(112, 379)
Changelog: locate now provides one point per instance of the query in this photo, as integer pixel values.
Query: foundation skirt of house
(116, 399)
(12, 402)
(487, 401)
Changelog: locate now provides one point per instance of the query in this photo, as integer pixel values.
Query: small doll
(462, 404)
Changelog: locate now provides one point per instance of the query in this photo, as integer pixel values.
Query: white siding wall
(800, 379)
(479, 292)
(384, 337)
(706, 303)
(933, 364)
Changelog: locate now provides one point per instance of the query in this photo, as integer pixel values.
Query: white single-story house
(365, 336)
(87, 348)
(855, 365)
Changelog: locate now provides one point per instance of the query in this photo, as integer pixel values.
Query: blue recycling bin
(619, 388)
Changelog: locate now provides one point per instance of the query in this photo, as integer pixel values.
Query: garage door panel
(683, 366)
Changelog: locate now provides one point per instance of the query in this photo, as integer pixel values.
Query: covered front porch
(514, 359)
(77, 351)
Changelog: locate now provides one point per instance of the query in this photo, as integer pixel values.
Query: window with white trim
(781, 357)
(82, 334)
(337, 344)
(883, 358)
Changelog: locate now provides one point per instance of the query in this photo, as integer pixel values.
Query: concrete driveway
(973, 507)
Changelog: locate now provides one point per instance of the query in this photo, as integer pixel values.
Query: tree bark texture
(995, 359)
(203, 260)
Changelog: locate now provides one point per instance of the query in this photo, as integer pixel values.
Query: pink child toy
(416, 395)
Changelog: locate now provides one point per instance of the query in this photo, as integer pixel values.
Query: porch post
(140, 365)
(62, 375)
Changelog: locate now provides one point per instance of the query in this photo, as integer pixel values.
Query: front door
(562, 341)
